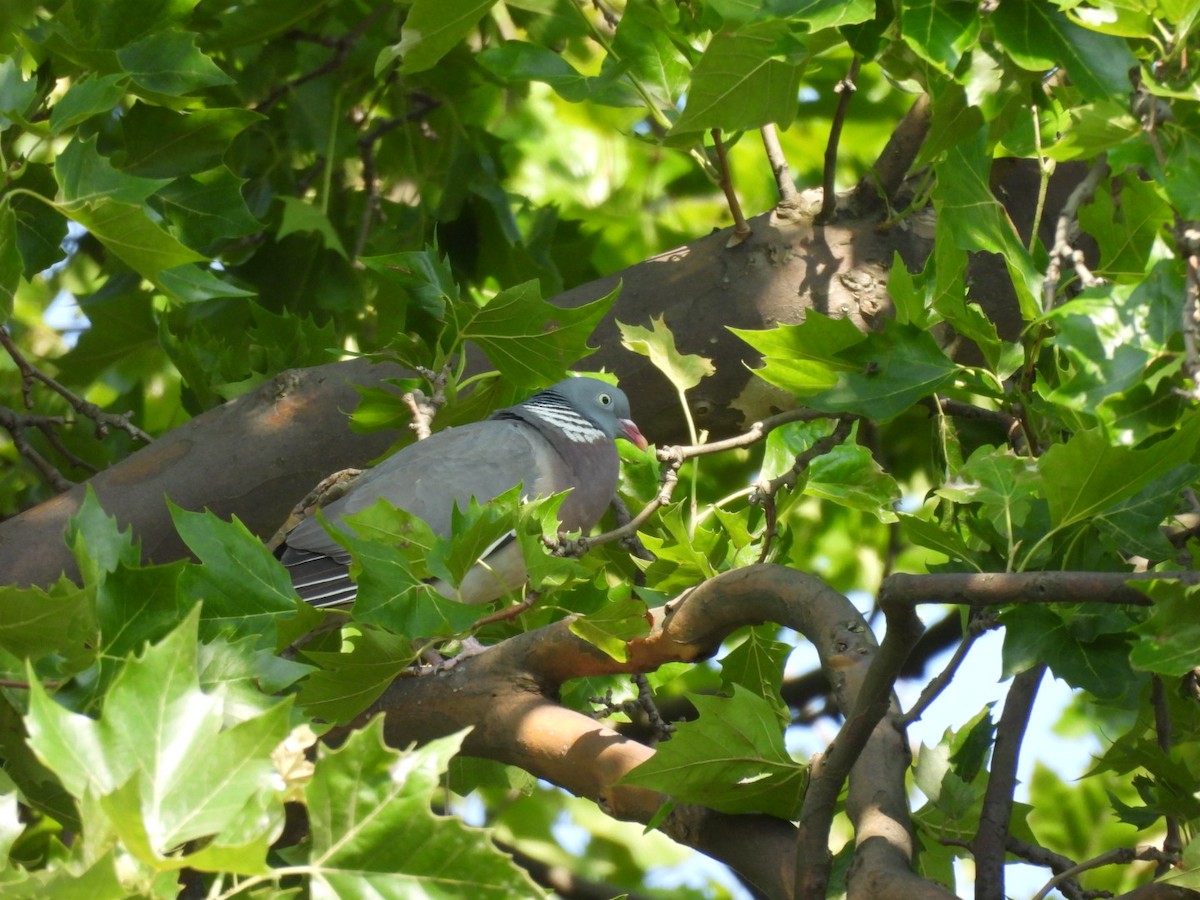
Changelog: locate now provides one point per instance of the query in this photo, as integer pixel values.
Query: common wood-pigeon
(560, 438)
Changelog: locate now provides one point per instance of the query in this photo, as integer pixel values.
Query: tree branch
(507, 693)
(741, 228)
(788, 195)
(845, 90)
(991, 839)
(898, 156)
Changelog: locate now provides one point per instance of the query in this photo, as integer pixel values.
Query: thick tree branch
(507, 693)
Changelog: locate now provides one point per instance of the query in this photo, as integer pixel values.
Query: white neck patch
(576, 428)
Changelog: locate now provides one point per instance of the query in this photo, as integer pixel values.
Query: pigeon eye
(605, 399)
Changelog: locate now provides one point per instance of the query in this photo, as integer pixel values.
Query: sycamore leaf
(1169, 640)
(350, 680)
(613, 626)
(431, 30)
(11, 264)
(135, 766)
(374, 835)
(732, 759)
(169, 62)
(746, 78)
(1087, 475)
(300, 215)
(757, 664)
(244, 589)
(128, 232)
(1039, 36)
(98, 543)
(530, 341)
(683, 370)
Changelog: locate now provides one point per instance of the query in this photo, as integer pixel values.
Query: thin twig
(899, 154)
(1119, 856)
(845, 88)
(341, 47)
(788, 195)
(978, 624)
(1173, 841)
(425, 406)
(765, 491)
(991, 838)
(30, 374)
(1065, 232)
(1055, 862)
(675, 457)
(741, 228)
(15, 424)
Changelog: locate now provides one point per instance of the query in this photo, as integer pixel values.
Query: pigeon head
(602, 404)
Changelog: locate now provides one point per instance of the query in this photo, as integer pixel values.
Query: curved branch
(508, 695)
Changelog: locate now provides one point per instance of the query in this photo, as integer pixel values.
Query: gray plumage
(561, 438)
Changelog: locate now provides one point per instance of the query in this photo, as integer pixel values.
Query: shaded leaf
(732, 759)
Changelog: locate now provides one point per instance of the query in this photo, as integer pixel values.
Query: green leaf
(1135, 526)
(368, 808)
(971, 218)
(816, 14)
(116, 23)
(1039, 37)
(87, 177)
(893, 369)
(530, 341)
(168, 62)
(849, 476)
(244, 589)
(431, 30)
(683, 370)
(207, 208)
(11, 264)
(155, 731)
(129, 233)
(1086, 475)
(163, 143)
(193, 284)
(350, 680)
(756, 664)
(1035, 633)
(1004, 485)
(807, 358)
(1169, 640)
(35, 623)
(741, 83)
(90, 96)
(518, 61)
(613, 626)
(98, 542)
(646, 51)
(940, 538)
(940, 32)
(1126, 229)
(299, 215)
(136, 606)
(16, 92)
(732, 759)
(389, 553)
